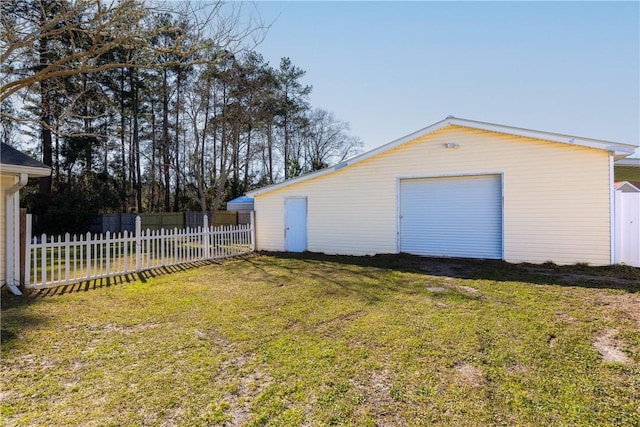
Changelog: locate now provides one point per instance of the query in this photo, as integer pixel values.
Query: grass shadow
(104, 282)
(15, 318)
(618, 277)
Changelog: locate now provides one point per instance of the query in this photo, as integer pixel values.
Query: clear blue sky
(390, 68)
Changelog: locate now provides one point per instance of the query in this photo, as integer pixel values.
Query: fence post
(138, 242)
(252, 221)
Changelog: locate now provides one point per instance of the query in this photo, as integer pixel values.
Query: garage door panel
(452, 216)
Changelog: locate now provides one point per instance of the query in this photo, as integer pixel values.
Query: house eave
(33, 172)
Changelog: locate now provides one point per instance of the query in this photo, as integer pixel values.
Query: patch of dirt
(471, 374)
(627, 303)
(438, 290)
(250, 386)
(577, 275)
(5, 395)
(469, 290)
(113, 327)
(376, 391)
(31, 362)
(251, 383)
(564, 317)
(517, 368)
(609, 347)
(581, 278)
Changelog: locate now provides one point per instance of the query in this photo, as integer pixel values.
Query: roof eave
(618, 150)
(33, 172)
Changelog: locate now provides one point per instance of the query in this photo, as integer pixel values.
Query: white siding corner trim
(612, 213)
(457, 216)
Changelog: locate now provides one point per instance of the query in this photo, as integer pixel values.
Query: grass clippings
(277, 339)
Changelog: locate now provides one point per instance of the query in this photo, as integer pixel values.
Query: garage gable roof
(619, 150)
(14, 162)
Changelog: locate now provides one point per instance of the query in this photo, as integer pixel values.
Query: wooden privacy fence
(116, 223)
(61, 260)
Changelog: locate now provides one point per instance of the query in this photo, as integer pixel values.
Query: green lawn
(320, 340)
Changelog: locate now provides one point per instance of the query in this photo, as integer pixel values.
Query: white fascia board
(619, 149)
(628, 162)
(33, 172)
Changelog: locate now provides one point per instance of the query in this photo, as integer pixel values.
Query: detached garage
(457, 188)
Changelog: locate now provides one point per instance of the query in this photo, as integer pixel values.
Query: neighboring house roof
(632, 162)
(619, 150)
(241, 199)
(626, 187)
(14, 162)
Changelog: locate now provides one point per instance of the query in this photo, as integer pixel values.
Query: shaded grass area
(319, 340)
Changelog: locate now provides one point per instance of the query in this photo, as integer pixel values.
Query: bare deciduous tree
(92, 29)
(328, 140)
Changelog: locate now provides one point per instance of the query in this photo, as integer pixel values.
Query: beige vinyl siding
(5, 183)
(556, 197)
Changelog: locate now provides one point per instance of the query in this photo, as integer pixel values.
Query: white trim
(12, 230)
(398, 203)
(618, 149)
(612, 212)
(628, 162)
(450, 175)
(32, 171)
(502, 199)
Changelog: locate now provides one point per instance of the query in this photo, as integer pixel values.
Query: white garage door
(452, 216)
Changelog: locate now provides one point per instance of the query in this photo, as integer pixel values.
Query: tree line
(146, 107)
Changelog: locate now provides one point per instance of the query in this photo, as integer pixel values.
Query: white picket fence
(54, 261)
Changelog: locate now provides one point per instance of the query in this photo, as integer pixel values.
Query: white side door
(295, 224)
